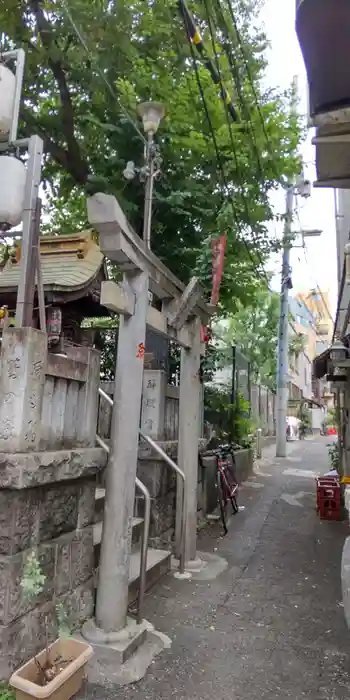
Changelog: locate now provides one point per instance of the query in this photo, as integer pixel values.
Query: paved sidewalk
(272, 625)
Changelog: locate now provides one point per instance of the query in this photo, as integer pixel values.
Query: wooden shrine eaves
(120, 243)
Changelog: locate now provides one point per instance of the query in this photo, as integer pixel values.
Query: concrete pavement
(272, 624)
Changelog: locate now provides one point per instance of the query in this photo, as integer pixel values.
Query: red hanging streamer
(218, 258)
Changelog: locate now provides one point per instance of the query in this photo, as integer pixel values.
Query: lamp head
(338, 352)
(151, 113)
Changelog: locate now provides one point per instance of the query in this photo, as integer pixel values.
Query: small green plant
(33, 579)
(243, 426)
(62, 620)
(304, 415)
(32, 584)
(6, 693)
(334, 456)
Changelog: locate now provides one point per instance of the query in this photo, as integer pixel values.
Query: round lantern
(13, 181)
(7, 94)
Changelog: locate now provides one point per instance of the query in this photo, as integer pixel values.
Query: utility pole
(282, 362)
(301, 187)
(286, 284)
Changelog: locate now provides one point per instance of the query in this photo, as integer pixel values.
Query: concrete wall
(48, 468)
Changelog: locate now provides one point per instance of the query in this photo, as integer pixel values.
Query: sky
(317, 263)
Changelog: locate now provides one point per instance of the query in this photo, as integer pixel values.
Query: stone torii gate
(182, 312)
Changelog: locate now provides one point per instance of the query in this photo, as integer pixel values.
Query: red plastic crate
(328, 489)
(329, 509)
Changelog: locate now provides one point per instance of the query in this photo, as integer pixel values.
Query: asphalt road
(272, 624)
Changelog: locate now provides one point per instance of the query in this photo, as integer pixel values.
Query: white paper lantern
(12, 187)
(7, 95)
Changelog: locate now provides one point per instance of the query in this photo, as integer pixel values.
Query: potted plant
(58, 670)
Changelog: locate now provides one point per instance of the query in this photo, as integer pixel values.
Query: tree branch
(78, 167)
(59, 154)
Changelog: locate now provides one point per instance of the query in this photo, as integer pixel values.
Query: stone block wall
(54, 520)
(47, 495)
(160, 480)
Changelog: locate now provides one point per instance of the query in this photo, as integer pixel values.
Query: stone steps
(137, 527)
(158, 560)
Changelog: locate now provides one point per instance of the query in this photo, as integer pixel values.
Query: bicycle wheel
(231, 487)
(222, 500)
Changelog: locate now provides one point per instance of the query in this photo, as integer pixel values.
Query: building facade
(302, 325)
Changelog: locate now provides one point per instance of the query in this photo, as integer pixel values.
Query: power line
(234, 150)
(200, 88)
(249, 74)
(235, 75)
(316, 282)
(92, 59)
(195, 38)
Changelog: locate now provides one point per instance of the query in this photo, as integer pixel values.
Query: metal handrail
(146, 524)
(180, 474)
(105, 396)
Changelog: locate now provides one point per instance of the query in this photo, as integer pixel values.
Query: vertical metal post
(147, 216)
(258, 443)
(20, 61)
(39, 280)
(232, 411)
(25, 294)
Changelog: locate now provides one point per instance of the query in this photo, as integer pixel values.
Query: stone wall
(161, 483)
(47, 496)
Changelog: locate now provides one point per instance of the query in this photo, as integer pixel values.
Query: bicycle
(226, 482)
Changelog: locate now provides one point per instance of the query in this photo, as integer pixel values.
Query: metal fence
(228, 387)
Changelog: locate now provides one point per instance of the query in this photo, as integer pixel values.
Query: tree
(297, 344)
(79, 100)
(254, 329)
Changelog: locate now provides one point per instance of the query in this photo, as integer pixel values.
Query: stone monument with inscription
(48, 467)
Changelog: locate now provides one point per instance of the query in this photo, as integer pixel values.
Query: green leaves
(33, 579)
(83, 102)
(254, 330)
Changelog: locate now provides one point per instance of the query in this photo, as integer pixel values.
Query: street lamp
(338, 352)
(151, 114)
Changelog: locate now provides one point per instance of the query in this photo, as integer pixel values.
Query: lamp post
(151, 113)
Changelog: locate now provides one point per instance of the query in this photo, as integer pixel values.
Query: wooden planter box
(66, 684)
